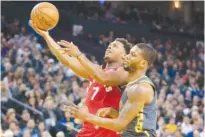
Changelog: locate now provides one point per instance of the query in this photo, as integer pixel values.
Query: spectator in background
(60, 134)
(30, 129)
(61, 95)
(10, 117)
(50, 116)
(14, 127)
(186, 126)
(25, 116)
(8, 133)
(5, 93)
(42, 130)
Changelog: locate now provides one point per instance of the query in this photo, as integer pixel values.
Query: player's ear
(143, 63)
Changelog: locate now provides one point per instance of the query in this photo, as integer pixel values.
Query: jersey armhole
(153, 87)
(119, 89)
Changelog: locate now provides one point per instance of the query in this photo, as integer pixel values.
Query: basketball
(45, 15)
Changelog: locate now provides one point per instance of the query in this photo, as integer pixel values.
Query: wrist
(44, 34)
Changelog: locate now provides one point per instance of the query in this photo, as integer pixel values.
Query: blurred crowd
(34, 85)
(118, 13)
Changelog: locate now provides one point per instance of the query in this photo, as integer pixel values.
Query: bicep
(134, 104)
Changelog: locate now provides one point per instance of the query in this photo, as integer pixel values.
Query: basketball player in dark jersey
(137, 117)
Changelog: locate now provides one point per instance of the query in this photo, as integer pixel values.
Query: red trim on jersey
(104, 66)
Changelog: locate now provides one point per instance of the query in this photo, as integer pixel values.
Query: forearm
(91, 68)
(112, 124)
(68, 61)
(53, 46)
(109, 78)
(97, 73)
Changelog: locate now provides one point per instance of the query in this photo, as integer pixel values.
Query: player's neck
(113, 65)
(136, 75)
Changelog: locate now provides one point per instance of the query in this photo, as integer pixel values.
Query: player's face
(134, 60)
(114, 52)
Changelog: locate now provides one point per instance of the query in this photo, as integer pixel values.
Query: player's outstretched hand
(107, 112)
(69, 48)
(37, 30)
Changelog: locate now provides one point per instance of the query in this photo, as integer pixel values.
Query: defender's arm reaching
(138, 96)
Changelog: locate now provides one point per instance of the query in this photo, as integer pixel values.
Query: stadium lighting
(177, 4)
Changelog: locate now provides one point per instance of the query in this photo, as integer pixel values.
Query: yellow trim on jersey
(146, 81)
(140, 115)
(121, 104)
(146, 133)
(139, 125)
(134, 80)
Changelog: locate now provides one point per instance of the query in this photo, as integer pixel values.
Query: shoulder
(141, 92)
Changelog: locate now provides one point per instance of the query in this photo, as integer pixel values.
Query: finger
(30, 23)
(70, 103)
(67, 114)
(106, 113)
(69, 43)
(99, 112)
(70, 112)
(65, 44)
(72, 109)
(63, 51)
(34, 26)
(65, 109)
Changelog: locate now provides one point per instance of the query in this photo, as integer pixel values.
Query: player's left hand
(76, 111)
(36, 29)
(69, 48)
(107, 112)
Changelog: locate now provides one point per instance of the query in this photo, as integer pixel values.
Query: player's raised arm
(68, 61)
(110, 78)
(138, 96)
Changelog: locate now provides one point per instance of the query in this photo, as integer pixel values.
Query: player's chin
(126, 67)
(106, 58)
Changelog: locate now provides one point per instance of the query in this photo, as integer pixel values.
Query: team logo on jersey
(108, 88)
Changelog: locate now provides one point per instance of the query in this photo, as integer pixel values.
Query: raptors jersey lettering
(100, 96)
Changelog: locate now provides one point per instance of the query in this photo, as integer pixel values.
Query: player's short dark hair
(149, 53)
(127, 45)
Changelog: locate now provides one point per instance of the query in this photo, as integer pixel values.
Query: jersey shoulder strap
(143, 79)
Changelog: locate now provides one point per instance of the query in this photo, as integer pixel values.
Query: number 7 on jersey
(96, 90)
